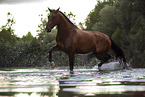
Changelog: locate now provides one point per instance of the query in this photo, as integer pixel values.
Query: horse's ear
(49, 9)
(58, 9)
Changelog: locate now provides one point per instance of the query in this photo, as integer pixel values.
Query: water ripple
(84, 82)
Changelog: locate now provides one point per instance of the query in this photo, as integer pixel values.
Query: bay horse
(72, 40)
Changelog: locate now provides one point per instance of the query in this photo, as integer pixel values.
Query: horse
(72, 40)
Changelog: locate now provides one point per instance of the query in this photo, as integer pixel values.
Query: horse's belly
(82, 52)
(85, 49)
(86, 45)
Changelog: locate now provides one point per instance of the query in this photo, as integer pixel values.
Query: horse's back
(93, 40)
(102, 41)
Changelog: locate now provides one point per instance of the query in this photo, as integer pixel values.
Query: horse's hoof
(50, 60)
(71, 72)
(99, 68)
(52, 64)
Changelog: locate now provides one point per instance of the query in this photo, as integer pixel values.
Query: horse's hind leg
(104, 57)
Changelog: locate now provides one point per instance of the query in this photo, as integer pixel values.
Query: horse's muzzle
(48, 29)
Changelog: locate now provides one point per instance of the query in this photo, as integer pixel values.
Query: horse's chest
(65, 45)
(61, 45)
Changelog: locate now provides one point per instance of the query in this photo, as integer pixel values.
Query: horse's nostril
(48, 30)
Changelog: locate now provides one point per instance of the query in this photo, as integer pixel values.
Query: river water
(80, 83)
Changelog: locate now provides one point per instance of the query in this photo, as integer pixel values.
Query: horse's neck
(65, 28)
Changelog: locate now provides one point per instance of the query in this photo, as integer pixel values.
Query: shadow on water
(80, 83)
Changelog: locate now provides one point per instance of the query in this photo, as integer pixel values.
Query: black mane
(67, 18)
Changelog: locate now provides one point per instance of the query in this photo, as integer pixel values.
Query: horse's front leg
(55, 48)
(71, 61)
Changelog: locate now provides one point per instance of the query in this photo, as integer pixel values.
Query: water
(81, 83)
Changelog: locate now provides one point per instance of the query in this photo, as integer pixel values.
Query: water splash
(117, 65)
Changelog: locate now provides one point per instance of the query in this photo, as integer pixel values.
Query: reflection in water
(29, 83)
(99, 86)
(81, 83)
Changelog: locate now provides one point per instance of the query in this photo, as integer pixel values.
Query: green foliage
(140, 40)
(137, 43)
(117, 36)
(140, 32)
(28, 38)
(15, 51)
(6, 37)
(6, 33)
(94, 16)
(9, 24)
(108, 22)
(71, 16)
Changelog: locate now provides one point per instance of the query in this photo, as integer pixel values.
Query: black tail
(118, 51)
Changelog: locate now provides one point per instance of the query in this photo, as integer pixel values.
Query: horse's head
(52, 19)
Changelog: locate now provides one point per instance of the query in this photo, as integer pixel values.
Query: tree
(93, 16)
(6, 37)
(108, 22)
(28, 38)
(117, 36)
(140, 40)
(137, 43)
(9, 24)
(7, 33)
(7, 43)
